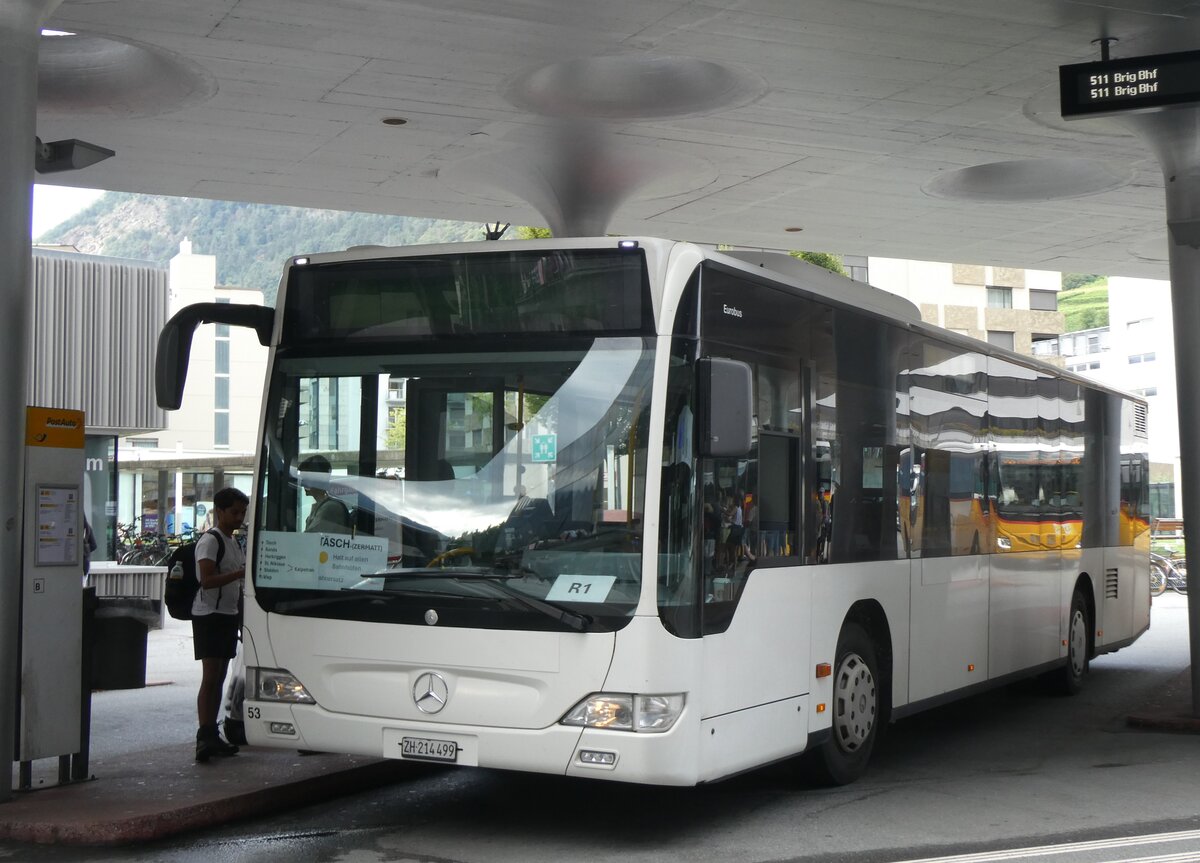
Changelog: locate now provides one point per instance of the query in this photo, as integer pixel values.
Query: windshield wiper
(571, 619)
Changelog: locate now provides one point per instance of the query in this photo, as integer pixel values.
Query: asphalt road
(993, 777)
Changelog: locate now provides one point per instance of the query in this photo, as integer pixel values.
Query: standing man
(216, 614)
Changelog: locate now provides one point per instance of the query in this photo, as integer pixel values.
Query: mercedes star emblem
(430, 692)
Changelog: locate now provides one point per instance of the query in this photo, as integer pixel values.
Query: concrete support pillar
(1175, 138)
(20, 31)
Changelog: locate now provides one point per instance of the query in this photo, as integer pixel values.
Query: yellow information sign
(54, 427)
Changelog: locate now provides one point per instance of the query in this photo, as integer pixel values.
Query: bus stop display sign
(1129, 84)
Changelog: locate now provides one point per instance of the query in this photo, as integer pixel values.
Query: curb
(163, 823)
(1175, 724)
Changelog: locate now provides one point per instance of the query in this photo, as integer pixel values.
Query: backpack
(180, 591)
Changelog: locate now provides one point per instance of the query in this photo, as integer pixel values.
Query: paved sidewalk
(145, 781)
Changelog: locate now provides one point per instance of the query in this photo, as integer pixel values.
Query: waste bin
(118, 651)
(128, 606)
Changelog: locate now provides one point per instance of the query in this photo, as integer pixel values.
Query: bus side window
(772, 531)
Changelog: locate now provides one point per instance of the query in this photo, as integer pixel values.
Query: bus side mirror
(171, 364)
(175, 342)
(725, 406)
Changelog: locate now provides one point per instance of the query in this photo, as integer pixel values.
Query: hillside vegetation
(250, 241)
(1084, 301)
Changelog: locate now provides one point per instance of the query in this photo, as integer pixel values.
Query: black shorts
(215, 636)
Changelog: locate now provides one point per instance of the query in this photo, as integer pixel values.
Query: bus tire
(1079, 624)
(855, 705)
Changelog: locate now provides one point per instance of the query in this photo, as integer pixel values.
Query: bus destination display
(1129, 84)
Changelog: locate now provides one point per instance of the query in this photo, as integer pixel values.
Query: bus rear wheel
(1075, 669)
(856, 711)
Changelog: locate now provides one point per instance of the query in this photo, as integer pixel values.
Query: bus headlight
(1004, 543)
(276, 684)
(625, 712)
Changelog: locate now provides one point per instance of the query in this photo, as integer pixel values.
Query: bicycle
(1166, 573)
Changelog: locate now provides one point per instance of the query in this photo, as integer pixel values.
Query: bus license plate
(425, 749)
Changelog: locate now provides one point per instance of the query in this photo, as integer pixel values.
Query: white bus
(637, 510)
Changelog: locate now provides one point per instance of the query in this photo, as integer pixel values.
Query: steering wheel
(450, 554)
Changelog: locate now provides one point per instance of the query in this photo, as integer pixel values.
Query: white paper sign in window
(581, 588)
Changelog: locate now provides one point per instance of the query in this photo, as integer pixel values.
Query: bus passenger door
(949, 635)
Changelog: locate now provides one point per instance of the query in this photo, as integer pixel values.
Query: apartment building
(1009, 307)
(167, 477)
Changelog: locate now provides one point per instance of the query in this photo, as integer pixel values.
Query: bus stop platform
(145, 783)
(161, 792)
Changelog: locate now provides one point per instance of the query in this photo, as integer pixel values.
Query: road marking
(1075, 847)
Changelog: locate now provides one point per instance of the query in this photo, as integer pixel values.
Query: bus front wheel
(855, 705)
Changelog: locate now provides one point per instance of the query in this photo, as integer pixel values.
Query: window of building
(1146, 392)
(1162, 500)
(1001, 338)
(999, 298)
(222, 330)
(222, 358)
(221, 428)
(1045, 346)
(221, 396)
(1134, 359)
(1043, 301)
(143, 442)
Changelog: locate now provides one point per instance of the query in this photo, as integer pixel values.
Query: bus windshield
(504, 487)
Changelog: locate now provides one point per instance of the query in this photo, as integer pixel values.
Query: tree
(394, 435)
(833, 263)
(527, 233)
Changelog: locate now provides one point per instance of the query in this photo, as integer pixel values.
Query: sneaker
(235, 731)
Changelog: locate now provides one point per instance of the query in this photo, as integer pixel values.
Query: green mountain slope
(1084, 302)
(250, 241)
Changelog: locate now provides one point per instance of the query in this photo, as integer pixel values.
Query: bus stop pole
(20, 33)
(1174, 136)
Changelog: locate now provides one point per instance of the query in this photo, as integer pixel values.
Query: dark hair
(316, 464)
(227, 497)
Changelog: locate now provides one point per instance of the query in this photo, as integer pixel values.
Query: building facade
(95, 326)
(1136, 353)
(1005, 306)
(168, 477)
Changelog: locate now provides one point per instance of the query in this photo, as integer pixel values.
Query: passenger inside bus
(328, 514)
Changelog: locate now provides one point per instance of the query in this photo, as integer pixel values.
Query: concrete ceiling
(923, 129)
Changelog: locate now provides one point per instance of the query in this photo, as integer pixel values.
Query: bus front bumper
(662, 759)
